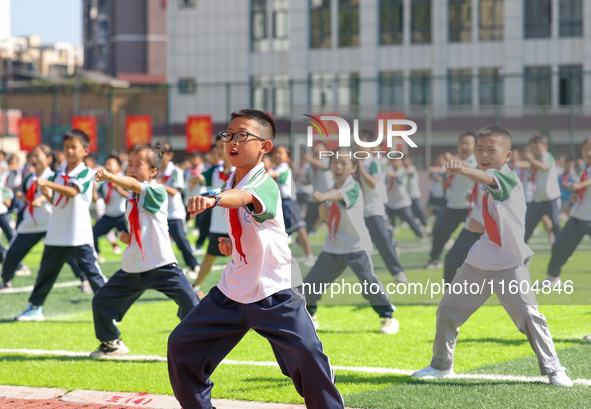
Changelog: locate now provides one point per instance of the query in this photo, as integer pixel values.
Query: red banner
(199, 131)
(14, 116)
(87, 124)
(138, 130)
(29, 133)
(398, 143)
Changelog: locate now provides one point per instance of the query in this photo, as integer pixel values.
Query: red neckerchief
(223, 176)
(109, 192)
(30, 196)
(581, 192)
(166, 178)
(532, 178)
(134, 225)
(237, 232)
(66, 180)
(473, 198)
(334, 218)
(489, 223)
(447, 183)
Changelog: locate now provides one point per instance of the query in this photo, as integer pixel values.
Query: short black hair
(154, 154)
(115, 158)
(263, 119)
(79, 135)
(539, 138)
(467, 133)
(496, 131)
(164, 147)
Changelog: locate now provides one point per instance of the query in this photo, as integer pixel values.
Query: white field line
(29, 288)
(360, 369)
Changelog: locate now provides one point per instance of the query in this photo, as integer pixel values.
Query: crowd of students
(498, 192)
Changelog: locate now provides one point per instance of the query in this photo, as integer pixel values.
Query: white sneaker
(110, 349)
(433, 264)
(400, 278)
(560, 378)
(100, 259)
(31, 313)
(85, 287)
(23, 271)
(389, 326)
(432, 373)
(310, 260)
(193, 273)
(552, 281)
(587, 338)
(116, 249)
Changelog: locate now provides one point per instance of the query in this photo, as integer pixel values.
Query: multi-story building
(27, 57)
(458, 57)
(126, 39)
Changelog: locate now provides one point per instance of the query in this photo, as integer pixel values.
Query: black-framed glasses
(240, 136)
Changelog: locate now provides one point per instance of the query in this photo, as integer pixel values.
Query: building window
(570, 85)
(347, 89)
(391, 88)
(259, 92)
(320, 24)
(420, 88)
(280, 27)
(421, 21)
(258, 26)
(538, 86)
(571, 18)
(187, 85)
(492, 16)
(281, 91)
(460, 21)
(459, 87)
(391, 20)
(538, 18)
(348, 23)
(490, 87)
(321, 89)
(187, 3)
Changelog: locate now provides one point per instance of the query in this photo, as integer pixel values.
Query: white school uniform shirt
(283, 179)
(529, 187)
(264, 242)
(37, 223)
(350, 233)
(397, 188)
(546, 181)
(374, 198)
(506, 205)
(153, 215)
(460, 187)
(192, 190)
(172, 176)
(321, 179)
(116, 205)
(69, 223)
(413, 183)
(476, 211)
(437, 190)
(214, 178)
(582, 208)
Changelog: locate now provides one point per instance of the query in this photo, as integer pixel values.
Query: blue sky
(53, 20)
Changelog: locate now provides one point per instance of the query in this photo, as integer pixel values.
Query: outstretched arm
(229, 199)
(455, 167)
(125, 182)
